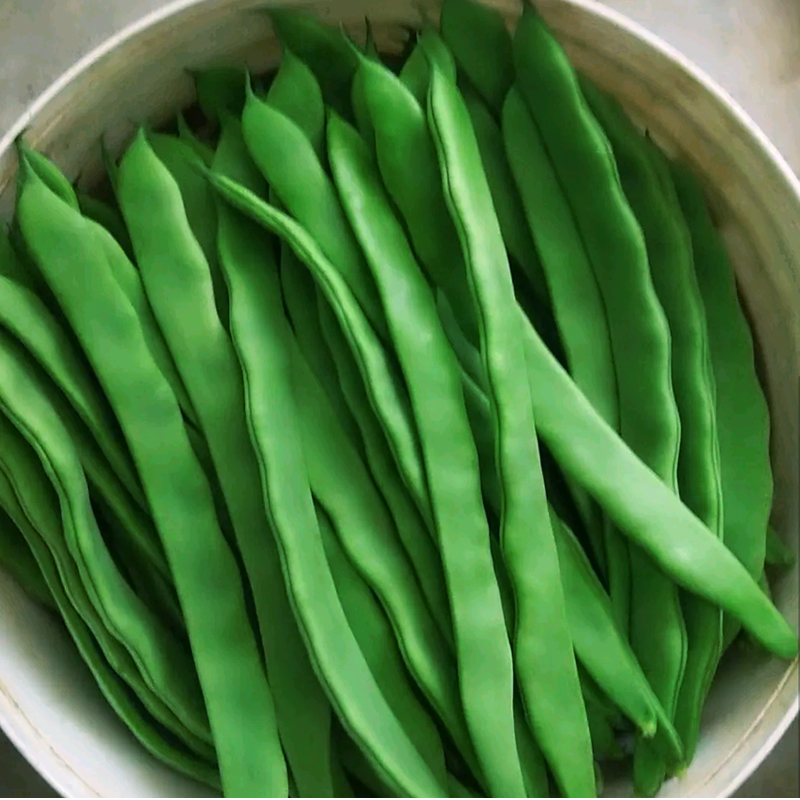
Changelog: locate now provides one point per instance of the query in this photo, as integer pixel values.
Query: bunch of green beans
(382, 435)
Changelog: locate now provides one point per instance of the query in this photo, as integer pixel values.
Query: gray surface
(751, 47)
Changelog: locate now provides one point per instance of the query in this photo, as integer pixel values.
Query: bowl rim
(21, 731)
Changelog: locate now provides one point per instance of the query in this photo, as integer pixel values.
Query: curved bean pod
(164, 665)
(526, 536)
(220, 91)
(17, 558)
(108, 217)
(264, 353)
(451, 464)
(479, 39)
(200, 148)
(653, 517)
(649, 419)
(577, 304)
(235, 690)
(742, 412)
(375, 636)
(647, 184)
(343, 487)
(324, 49)
(285, 156)
(152, 736)
(387, 397)
(416, 72)
(417, 539)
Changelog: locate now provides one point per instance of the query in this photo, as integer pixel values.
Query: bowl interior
(48, 703)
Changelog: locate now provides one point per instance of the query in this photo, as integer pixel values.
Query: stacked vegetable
(401, 437)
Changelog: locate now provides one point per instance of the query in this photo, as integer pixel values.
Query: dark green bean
(18, 560)
(262, 340)
(526, 535)
(235, 690)
(324, 49)
(479, 39)
(375, 636)
(220, 90)
(107, 216)
(152, 736)
(201, 149)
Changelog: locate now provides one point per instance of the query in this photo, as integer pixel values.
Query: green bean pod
(479, 39)
(324, 49)
(649, 419)
(152, 736)
(416, 72)
(526, 535)
(743, 423)
(652, 516)
(107, 216)
(577, 303)
(204, 152)
(375, 636)
(387, 395)
(285, 156)
(778, 553)
(220, 91)
(164, 665)
(418, 540)
(262, 340)
(17, 558)
(235, 690)
(646, 181)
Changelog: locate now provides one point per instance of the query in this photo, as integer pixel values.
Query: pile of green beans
(396, 431)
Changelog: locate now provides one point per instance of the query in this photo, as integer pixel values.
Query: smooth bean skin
(163, 663)
(264, 353)
(49, 173)
(19, 561)
(742, 413)
(402, 137)
(544, 659)
(383, 384)
(147, 732)
(24, 315)
(296, 92)
(652, 516)
(419, 542)
(451, 464)
(107, 216)
(286, 158)
(649, 419)
(646, 181)
(373, 632)
(303, 711)
(416, 72)
(479, 40)
(325, 50)
(577, 304)
(199, 203)
(235, 691)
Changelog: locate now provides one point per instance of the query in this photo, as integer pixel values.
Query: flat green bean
(375, 636)
(264, 354)
(234, 687)
(186, 134)
(16, 557)
(416, 72)
(343, 487)
(220, 91)
(615, 244)
(451, 464)
(107, 216)
(479, 39)
(154, 738)
(551, 694)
